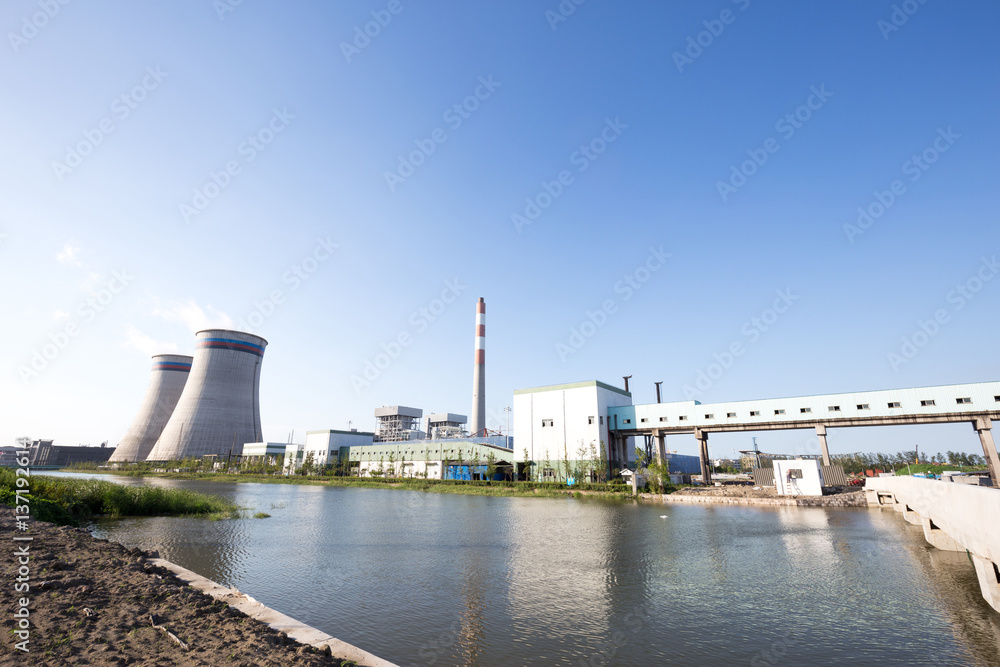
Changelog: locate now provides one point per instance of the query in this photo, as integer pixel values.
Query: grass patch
(261, 515)
(65, 501)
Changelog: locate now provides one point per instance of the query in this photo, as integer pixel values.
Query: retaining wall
(954, 517)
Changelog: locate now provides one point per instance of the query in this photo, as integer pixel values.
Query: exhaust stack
(478, 421)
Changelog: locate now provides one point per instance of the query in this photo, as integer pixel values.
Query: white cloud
(193, 316)
(144, 343)
(69, 255)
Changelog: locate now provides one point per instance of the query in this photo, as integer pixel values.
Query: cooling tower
(219, 409)
(478, 423)
(170, 373)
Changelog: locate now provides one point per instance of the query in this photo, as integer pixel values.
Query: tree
(566, 461)
(582, 463)
(307, 464)
(527, 466)
(391, 472)
(491, 466)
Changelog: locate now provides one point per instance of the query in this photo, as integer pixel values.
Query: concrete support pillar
(706, 463)
(989, 580)
(661, 447)
(984, 426)
(938, 538)
(821, 434)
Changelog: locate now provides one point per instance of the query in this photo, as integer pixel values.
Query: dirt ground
(730, 491)
(91, 602)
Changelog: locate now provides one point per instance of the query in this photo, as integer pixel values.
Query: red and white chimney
(479, 373)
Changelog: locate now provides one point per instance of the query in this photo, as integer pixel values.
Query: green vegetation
(617, 488)
(858, 463)
(65, 501)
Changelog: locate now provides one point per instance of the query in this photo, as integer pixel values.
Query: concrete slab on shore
(300, 632)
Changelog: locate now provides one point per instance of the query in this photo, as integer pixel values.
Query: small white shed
(798, 477)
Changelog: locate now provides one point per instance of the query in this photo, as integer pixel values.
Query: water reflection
(461, 580)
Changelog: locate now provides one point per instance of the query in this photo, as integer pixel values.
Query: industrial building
(398, 422)
(976, 403)
(44, 454)
(268, 453)
(219, 408)
(169, 375)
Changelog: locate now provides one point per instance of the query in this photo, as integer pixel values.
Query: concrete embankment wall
(954, 517)
(855, 499)
(300, 632)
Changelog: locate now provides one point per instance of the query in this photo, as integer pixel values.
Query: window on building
(546, 422)
(663, 419)
(963, 401)
(709, 416)
(590, 420)
(643, 420)
(731, 414)
(895, 404)
(780, 411)
(628, 421)
(834, 408)
(805, 410)
(862, 406)
(755, 413)
(682, 418)
(996, 399)
(928, 403)
(600, 420)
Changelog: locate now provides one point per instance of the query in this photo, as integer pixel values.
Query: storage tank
(219, 409)
(170, 374)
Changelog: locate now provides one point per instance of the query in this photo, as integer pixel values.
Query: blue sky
(739, 138)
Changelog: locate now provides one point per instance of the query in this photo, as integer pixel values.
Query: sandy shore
(94, 602)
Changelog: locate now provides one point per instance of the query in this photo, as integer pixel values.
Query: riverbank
(460, 487)
(96, 602)
(760, 497)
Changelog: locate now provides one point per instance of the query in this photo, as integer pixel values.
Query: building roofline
(574, 385)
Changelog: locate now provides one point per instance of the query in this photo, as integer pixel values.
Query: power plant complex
(209, 405)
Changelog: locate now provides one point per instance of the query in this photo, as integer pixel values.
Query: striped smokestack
(479, 373)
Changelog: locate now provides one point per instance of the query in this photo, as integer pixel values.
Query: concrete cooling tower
(170, 373)
(219, 409)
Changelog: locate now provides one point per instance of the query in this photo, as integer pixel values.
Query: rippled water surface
(426, 579)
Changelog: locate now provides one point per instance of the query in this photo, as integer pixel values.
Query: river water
(428, 579)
